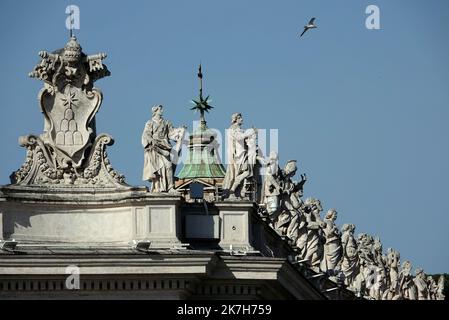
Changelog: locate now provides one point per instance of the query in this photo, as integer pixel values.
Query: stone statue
(432, 288)
(393, 260)
(237, 149)
(159, 166)
(379, 258)
(282, 217)
(332, 247)
(256, 162)
(314, 246)
(294, 204)
(286, 207)
(377, 286)
(272, 184)
(298, 227)
(421, 284)
(365, 244)
(350, 264)
(407, 289)
(289, 219)
(440, 295)
(68, 152)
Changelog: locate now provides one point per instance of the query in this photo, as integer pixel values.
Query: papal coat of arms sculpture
(68, 152)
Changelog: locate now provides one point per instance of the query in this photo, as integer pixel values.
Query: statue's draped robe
(407, 287)
(271, 188)
(237, 153)
(393, 261)
(297, 229)
(421, 286)
(285, 219)
(350, 264)
(158, 166)
(314, 247)
(332, 247)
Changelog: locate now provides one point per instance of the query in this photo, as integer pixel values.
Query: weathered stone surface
(89, 216)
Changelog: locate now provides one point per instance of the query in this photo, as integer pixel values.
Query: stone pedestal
(159, 222)
(236, 221)
(89, 216)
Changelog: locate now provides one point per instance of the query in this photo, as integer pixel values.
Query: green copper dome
(203, 160)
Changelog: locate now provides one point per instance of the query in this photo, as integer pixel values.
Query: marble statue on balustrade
(350, 264)
(376, 284)
(432, 288)
(370, 259)
(365, 244)
(271, 189)
(159, 155)
(332, 246)
(315, 241)
(379, 258)
(238, 168)
(256, 162)
(289, 219)
(281, 218)
(440, 288)
(381, 288)
(393, 261)
(288, 206)
(406, 286)
(69, 151)
(421, 284)
(297, 229)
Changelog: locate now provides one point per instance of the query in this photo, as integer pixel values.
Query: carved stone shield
(69, 116)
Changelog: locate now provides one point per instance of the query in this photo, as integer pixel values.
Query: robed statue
(239, 167)
(160, 157)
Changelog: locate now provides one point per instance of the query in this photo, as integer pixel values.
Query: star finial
(202, 104)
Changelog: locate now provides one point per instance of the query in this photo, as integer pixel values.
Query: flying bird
(310, 25)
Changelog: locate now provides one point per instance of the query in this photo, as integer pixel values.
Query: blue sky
(363, 111)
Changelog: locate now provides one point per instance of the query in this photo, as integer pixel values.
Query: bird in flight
(310, 25)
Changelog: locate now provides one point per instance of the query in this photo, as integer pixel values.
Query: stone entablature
(160, 274)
